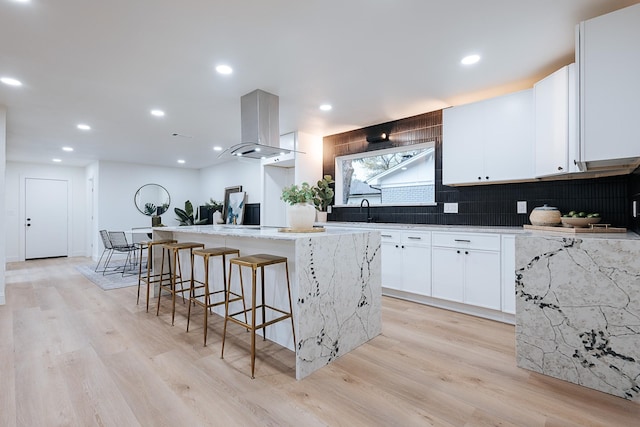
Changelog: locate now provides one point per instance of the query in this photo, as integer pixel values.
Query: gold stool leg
(206, 298)
(226, 310)
(293, 329)
(253, 320)
(161, 275)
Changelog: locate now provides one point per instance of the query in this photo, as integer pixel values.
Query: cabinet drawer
(489, 242)
(390, 236)
(416, 238)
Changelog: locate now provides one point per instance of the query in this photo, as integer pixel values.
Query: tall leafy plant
(323, 193)
(185, 216)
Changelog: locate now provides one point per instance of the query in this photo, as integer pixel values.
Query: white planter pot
(301, 215)
(321, 216)
(217, 218)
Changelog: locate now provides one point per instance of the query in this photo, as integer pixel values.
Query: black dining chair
(108, 250)
(120, 244)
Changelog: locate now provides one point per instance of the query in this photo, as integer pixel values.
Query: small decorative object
(217, 208)
(301, 213)
(545, 215)
(322, 197)
(185, 216)
(235, 210)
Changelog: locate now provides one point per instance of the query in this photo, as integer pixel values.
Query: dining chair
(120, 244)
(108, 249)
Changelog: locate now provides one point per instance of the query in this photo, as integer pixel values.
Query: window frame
(338, 171)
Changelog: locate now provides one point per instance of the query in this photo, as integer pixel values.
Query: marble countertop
(429, 227)
(629, 235)
(255, 231)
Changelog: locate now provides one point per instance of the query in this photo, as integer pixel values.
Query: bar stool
(172, 250)
(254, 262)
(149, 278)
(207, 295)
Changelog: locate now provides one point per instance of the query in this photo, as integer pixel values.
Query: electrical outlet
(522, 207)
(329, 209)
(451, 208)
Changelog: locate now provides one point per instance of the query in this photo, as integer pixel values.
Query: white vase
(301, 215)
(217, 218)
(321, 216)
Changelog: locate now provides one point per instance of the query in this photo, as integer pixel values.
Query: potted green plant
(301, 212)
(185, 216)
(323, 196)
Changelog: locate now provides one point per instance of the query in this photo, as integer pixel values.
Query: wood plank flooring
(74, 355)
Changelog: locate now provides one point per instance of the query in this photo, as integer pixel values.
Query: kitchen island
(335, 284)
(578, 309)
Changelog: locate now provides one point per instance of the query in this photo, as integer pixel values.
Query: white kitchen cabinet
(466, 268)
(489, 141)
(609, 59)
(406, 261)
(555, 123)
(508, 255)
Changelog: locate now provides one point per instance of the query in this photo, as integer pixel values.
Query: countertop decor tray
(302, 230)
(594, 228)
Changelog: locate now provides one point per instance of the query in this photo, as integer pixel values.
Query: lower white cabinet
(466, 268)
(406, 261)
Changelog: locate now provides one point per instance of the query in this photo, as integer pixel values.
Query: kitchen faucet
(369, 219)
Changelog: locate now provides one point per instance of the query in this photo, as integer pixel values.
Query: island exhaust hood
(260, 130)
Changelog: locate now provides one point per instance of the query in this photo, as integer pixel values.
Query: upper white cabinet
(489, 141)
(609, 62)
(555, 124)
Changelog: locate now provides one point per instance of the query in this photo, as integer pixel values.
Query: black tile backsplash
(495, 204)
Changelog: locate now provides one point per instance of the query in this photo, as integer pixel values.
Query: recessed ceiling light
(56, 160)
(83, 126)
(224, 69)
(470, 59)
(258, 149)
(10, 81)
(157, 113)
(326, 107)
(217, 148)
(181, 161)
(67, 148)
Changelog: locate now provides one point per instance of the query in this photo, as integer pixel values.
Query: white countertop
(428, 227)
(629, 235)
(255, 231)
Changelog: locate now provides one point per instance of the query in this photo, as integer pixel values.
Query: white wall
(3, 146)
(15, 176)
(245, 172)
(115, 185)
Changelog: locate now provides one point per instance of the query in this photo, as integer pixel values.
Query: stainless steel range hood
(260, 133)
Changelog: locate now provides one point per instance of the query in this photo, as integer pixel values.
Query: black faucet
(369, 219)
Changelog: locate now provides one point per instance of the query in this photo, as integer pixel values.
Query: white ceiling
(108, 63)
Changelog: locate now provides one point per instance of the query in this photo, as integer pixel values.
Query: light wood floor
(74, 355)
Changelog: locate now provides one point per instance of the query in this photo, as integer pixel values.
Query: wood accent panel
(403, 132)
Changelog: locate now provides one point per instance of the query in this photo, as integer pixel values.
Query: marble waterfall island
(578, 310)
(335, 285)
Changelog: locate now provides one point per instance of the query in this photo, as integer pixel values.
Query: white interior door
(46, 218)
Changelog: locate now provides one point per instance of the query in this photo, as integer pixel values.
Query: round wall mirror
(152, 199)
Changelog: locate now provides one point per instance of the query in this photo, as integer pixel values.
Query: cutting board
(596, 228)
(302, 230)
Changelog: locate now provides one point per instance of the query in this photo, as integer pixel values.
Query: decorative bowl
(578, 222)
(545, 215)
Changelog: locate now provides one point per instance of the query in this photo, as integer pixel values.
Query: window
(395, 176)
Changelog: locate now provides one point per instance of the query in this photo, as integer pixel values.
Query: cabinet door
(391, 265)
(508, 137)
(551, 118)
(447, 273)
(609, 61)
(462, 147)
(482, 279)
(416, 266)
